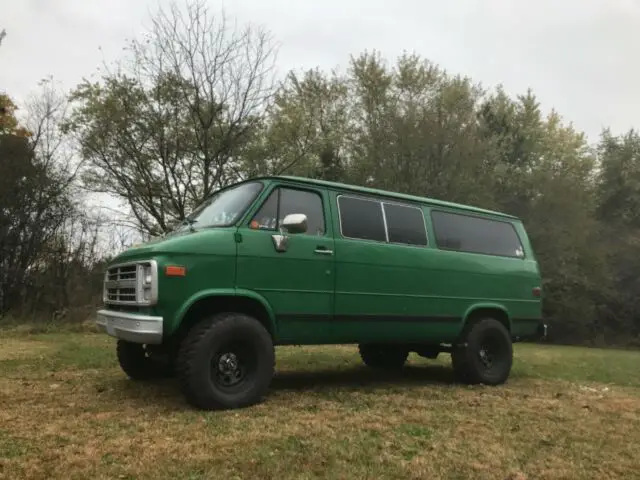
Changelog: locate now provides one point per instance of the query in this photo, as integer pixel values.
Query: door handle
(323, 251)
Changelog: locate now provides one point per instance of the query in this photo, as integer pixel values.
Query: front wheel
(486, 355)
(226, 361)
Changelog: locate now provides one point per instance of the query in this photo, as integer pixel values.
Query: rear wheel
(226, 361)
(141, 363)
(384, 357)
(487, 354)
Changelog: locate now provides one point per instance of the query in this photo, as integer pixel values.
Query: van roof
(384, 193)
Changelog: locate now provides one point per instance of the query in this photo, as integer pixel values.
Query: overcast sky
(580, 56)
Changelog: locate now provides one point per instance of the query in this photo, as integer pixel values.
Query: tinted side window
(266, 217)
(361, 218)
(405, 224)
(476, 235)
(284, 201)
(309, 203)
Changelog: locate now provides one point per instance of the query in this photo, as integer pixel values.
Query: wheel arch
(209, 302)
(479, 311)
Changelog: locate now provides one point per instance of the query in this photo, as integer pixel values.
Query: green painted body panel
(209, 256)
(298, 284)
(366, 291)
(435, 290)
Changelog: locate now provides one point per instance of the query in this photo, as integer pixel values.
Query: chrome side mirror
(293, 223)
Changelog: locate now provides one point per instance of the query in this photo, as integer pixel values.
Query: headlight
(147, 283)
(148, 278)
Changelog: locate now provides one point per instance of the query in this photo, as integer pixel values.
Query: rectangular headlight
(147, 283)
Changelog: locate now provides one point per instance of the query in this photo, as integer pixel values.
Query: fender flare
(226, 292)
(486, 306)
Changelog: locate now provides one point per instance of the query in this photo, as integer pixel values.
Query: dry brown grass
(66, 411)
(20, 348)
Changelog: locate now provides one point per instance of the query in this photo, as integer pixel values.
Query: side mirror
(292, 223)
(295, 223)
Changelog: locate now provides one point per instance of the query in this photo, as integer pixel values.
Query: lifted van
(284, 260)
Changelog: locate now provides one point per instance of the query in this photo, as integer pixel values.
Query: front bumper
(131, 326)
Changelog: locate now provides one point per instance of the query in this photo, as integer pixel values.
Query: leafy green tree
(418, 130)
(306, 130)
(8, 120)
(168, 127)
(619, 207)
(544, 174)
(411, 128)
(620, 178)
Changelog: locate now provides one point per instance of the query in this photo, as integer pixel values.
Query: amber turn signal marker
(175, 271)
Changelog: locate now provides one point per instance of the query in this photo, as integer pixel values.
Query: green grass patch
(67, 411)
(13, 446)
(578, 364)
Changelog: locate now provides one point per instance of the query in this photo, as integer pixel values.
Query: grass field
(67, 411)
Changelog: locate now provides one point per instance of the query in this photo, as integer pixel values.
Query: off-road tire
(202, 381)
(467, 361)
(139, 364)
(383, 357)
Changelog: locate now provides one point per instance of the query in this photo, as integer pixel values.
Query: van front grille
(121, 285)
(120, 295)
(125, 272)
(131, 284)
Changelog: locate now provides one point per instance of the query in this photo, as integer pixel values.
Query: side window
(476, 235)
(301, 201)
(284, 201)
(266, 217)
(362, 219)
(405, 224)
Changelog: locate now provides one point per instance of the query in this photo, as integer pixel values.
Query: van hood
(203, 241)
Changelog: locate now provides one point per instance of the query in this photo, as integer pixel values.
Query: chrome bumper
(130, 326)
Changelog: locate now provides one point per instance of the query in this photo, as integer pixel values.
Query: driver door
(298, 283)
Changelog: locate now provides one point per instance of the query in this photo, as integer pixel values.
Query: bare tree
(165, 129)
(3, 33)
(47, 112)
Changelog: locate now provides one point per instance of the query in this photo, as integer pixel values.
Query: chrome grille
(121, 295)
(131, 284)
(121, 284)
(125, 272)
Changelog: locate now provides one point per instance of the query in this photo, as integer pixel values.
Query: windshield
(223, 208)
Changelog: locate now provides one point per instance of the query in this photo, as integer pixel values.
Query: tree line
(197, 104)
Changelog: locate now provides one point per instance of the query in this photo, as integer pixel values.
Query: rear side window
(284, 201)
(360, 218)
(405, 224)
(465, 233)
(370, 219)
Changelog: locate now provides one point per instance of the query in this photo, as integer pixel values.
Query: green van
(294, 261)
